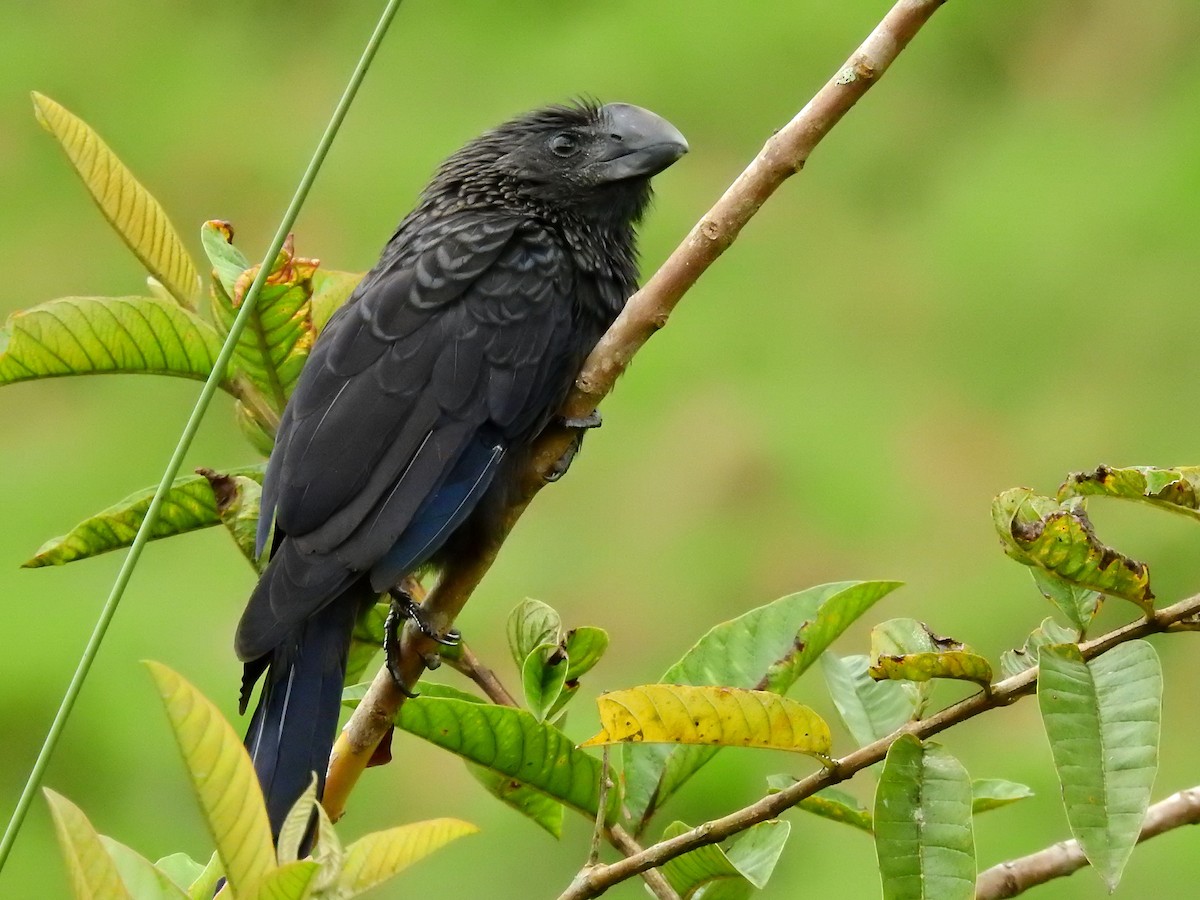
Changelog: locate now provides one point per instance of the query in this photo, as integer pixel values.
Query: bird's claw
(404, 608)
(591, 420)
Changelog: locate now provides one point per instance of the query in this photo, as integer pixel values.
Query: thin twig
(1008, 879)
(784, 154)
(601, 809)
(593, 882)
(488, 681)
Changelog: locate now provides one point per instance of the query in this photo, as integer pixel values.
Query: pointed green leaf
(295, 825)
(278, 337)
(871, 709)
(375, 858)
(728, 717)
(767, 648)
(1102, 719)
(223, 779)
(289, 882)
(92, 872)
(923, 833)
(181, 869)
(141, 877)
(206, 882)
(189, 504)
(534, 805)
(228, 261)
(1078, 604)
(126, 204)
(331, 289)
(1014, 662)
(993, 793)
(585, 646)
(512, 743)
(1038, 531)
(542, 677)
(711, 873)
(829, 803)
(532, 624)
(106, 336)
(1175, 490)
(905, 649)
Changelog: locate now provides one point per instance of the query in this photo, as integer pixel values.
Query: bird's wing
(403, 413)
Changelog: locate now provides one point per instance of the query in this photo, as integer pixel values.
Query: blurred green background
(985, 277)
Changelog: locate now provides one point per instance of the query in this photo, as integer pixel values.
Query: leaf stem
(189, 432)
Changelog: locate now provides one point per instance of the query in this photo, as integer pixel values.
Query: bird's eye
(564, 144)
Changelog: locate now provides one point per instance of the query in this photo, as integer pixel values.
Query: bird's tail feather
(293, 727)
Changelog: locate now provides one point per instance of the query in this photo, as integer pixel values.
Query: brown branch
(484, 677)
(1018, 875)
(593, 882)
(784, 154)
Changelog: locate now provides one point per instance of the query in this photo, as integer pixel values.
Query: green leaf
(533, 804)
(328, 854)
(181, 869)
(871, 709)
(238, 501)
(107, 336)
(1102, 719)
(585, 647)
(141, 877)
(228, 262)
(289, 882)
(374, 859)
(767, 648)
(205, 884)
(330, 289)
(1014, 662)
(366, 642)
(92, 872)
(993, 793)
(189, 505)
(543, 677)
(728, 717)
(712, 873)
(131, 210)
(279, 335)
(1176, 490)
(1037, 531)
(905, 649)
(223, 779)
(532, 624)
(295, 825)
(1078, 604)
(829, 803)
(923, 834)
(512, 743)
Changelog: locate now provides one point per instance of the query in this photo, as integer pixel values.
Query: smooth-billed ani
(422, 396)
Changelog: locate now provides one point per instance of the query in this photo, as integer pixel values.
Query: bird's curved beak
(640, 144)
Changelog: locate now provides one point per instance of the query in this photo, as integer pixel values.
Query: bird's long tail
(293, 727)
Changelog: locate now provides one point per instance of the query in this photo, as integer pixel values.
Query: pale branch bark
(595, 881)
(784, 154)
(1008, 879)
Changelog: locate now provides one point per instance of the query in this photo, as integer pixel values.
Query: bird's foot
(582, 424)
(404, 608)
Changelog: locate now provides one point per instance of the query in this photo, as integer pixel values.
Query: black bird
(421, 398)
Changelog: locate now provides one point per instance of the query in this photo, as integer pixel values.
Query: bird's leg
(402, 608)
(582, 425)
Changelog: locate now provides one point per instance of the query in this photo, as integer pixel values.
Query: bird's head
(593, 160)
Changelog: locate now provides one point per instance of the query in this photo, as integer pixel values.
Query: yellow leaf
(126, 204)
(377, 857)
(223, 779)
(732, 717)
(93, 872)
(289, 882)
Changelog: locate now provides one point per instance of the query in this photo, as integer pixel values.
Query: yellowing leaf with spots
(1175, 490)
(730, 717)
(907, 650)
(129, 207)
(223, 779)
(377, 857)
